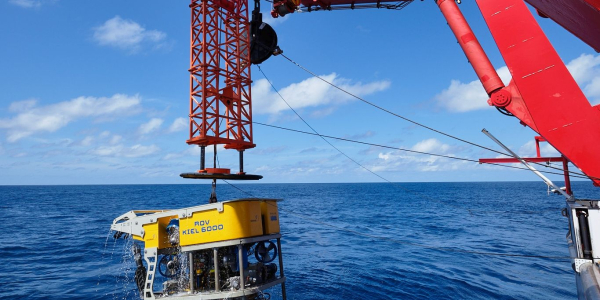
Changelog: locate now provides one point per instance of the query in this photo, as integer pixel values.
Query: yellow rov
(214, 251)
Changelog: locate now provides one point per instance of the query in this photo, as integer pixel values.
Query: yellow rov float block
(270, 217)
(235, 219)
(221, 221)
(155, 234)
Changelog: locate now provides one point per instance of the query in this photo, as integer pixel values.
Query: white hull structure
(584, 245)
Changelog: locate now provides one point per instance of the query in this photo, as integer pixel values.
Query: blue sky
(96, 92)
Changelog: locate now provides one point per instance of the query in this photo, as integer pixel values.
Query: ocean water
(340, 241)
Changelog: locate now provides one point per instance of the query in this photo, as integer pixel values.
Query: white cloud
(115, 139)
(87, 141)
(150, 126)
(529, 150)
(126, 34)
(31, 119)
(27, 3)
(190, 151)
(432, 146)
(592, 91)
(585, 67)
(399, 161)
(463, 97)
(171, 156)
(311, 92)
(193, 151)
(586, 71)
(123, 151)
(360, 136)
(105, 137)
(179, 124)
(320, 113)
(21, 106)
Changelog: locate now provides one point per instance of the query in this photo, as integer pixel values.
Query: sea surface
(340, 241)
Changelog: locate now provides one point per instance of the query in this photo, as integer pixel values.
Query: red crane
(542, 93)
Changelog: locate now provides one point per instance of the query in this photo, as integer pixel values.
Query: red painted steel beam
(558, 108)
(343, 2)
(470, 45)
(567, 177)
(514, 160)
(580, 17)
(501, 96)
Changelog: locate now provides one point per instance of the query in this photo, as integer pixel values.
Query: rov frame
(222, 226)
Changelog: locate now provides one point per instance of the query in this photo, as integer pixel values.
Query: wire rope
(407, 150)
(445, 249)
(315, 131)
(356, 162)
(401, 242)
(415, 122)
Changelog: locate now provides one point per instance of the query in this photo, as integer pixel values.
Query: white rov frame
(133, 221)
(587, 273)
(575, 235)
(151, 257)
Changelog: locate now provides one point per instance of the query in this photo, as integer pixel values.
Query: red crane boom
(542, 92)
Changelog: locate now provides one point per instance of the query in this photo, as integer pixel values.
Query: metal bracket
(187, 213)
(536, 172)
(578, 262)
(132, 223)
(151, 257)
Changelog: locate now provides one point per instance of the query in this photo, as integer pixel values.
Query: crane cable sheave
(263, 38)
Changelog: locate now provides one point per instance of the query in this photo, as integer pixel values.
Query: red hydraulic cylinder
(470, 45)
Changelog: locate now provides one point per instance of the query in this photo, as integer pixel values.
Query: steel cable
(356, 162)
(407, 150)
(316, 133)
(417, 123)
(401, 242)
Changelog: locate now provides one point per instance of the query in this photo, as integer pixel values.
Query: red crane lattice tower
(220, 102)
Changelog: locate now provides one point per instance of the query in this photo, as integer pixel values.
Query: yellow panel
(155, 234)
(270, 216)
(239, 219)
